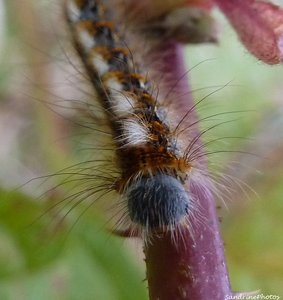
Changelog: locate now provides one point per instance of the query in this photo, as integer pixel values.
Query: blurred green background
(74, 257)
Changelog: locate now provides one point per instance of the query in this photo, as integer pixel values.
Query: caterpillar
(154, 166)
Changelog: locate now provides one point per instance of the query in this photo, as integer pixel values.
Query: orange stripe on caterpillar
(151, 160)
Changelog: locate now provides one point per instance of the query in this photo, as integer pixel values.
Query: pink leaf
(259, 25)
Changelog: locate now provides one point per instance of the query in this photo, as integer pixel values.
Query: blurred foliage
(80, 260)
(87, 263)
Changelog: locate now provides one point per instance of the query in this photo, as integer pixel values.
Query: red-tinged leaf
(259, 25)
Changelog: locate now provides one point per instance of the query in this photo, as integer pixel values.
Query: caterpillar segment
(153, 170)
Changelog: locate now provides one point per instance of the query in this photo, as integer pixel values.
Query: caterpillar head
(157, 202)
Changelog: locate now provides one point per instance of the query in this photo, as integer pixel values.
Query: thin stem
(192, 265)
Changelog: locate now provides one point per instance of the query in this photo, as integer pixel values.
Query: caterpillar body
(154, 166)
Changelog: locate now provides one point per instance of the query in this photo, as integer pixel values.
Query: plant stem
(193, 266)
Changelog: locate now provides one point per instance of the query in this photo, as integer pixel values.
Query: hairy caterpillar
(153, 164)
(109, 185)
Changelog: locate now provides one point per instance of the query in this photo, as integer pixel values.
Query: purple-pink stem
(193, 266)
